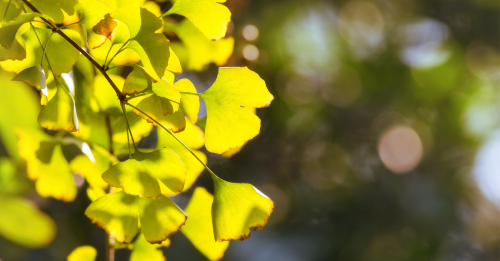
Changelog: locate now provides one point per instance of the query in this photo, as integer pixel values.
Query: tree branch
(120, 95)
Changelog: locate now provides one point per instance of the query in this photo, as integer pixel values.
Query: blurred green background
(382, 142)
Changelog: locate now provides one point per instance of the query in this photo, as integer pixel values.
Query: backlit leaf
(199, 50)
(60, 112)
(230, 125)
(192, 137)
(140, 174)
(55, 8)
(16, 52)
(105, 96)
(34, 76)
(9, 29)
(150, 46)
(144, 251)
(91, 171)
(83, 253)
(236, 208)
(209, 16)
(105, 26)
(198, 229)
(137, 81)
(46, 164)
(92, 12)
(23, 224)
(56, 48)
(174, 65)
(13, 11)
(119, 214)
(190, 104)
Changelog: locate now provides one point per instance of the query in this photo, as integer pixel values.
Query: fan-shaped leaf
(158, 108)
(83, 253)
(34, 76)
(138, 80)
(55, 8)
(144, 251)
(199, 227)
(230, 125)
(119, 214)
(140, 174)
(208, 15)
(236, 208)
(16, 52)
(190, 104)
(92, 12)
(9, 29)
(174, 65)
(60, 112)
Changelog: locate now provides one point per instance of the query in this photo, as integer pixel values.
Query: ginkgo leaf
(209, 16)
(192, 137)
(105, 27)
(230, 125)
(199, 50)
(140, 174)
(137, 81)
(55, 8)
(119, 214)
(236, 208)
(56, 48)
(60, 112)
(174, 65)
(83, 253)
(11, 13)
(190, 104)
(115, 4)
(16, 52)
(150, 46)
(9, 29)
(228, 154)
(95, 193)
(105, 96)
(25, 225)
(139, 129)
(34, 76)
(198, 229)
(46, 164)
(158, 108)
(92, 12)
(144, 251)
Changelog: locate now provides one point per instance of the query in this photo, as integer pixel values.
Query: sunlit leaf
(198, 229)
(34, 76)
(91, 171)
(139, 128)
(174, 65)
(60, 112)
(55, 8)
(150, 46)
(228, 124)
(22, 223)
(190, 104)
(25, 114)
(228, 154)
(16, 52)
(140, 174)
(56, 48)
(144, 251)
(93, 11)
(209, 16)
(138, 80)
(119, 214)
(192, 137)
(46, 164)
(13, 11)
(236, 208)
(105, 27)
(9, 29)
(201, 51)
(105, 96)
(95, 193)
(83, 253)
(115, 4)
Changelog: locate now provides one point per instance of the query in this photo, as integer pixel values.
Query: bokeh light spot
(250, 52)
(400, 149)
(250, 32)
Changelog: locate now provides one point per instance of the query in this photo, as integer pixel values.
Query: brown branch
(120, 95)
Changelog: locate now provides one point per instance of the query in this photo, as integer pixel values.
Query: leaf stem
(175, 137)
(128, 126)
(191, 93)
(118, 52)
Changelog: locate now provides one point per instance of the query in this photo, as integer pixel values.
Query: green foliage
(89, 109)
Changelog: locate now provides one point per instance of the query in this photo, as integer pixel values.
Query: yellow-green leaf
(144, 251)
(13, 11)
(150, 46)
(159, 108)
(140, 174)
(199, 50)
(91, 171)
(23, 224)
(34, 76)
(194, 138)
(9, 29)
(55, 8)
(105, 96)
(198, 229)
(236, 208)
(92, 12)
(56, 48)
(119, 214)
(190, 103)
(46, 164)
(209, 16)
(230, 125)
(137, 81)
(16, 52)
(83, 253)
(60, 112)
(174, 65)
